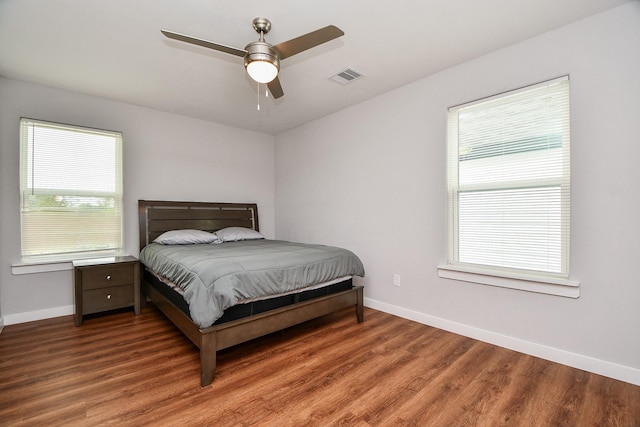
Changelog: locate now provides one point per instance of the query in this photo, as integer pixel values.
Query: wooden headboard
(156, 217)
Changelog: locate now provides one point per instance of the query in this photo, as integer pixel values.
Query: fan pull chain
(266, 95)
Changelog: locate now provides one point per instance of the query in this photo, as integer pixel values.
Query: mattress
(215, 277)
(250, 307)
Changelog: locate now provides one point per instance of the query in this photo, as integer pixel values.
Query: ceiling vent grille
(347, 75)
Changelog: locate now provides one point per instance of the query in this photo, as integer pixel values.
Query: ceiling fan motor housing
(261, 51)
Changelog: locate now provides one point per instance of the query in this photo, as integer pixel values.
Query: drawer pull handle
(109, 277)
(109, 296)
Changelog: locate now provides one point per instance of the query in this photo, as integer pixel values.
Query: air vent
(347, 75)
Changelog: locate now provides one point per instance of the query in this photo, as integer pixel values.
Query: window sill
(40, 267)
(47, 265)
(551, 286)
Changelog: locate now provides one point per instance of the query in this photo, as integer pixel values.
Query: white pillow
(233, 234)
(186, 237)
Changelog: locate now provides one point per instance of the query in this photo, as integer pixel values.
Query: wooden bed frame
(156, 217)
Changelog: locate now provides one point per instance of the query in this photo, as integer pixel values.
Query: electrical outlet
(396, 280)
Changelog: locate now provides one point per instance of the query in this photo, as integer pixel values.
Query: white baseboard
(575, 360)
(30, 316)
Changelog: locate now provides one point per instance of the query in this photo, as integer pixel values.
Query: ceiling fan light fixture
(262, 71)
(261, 62)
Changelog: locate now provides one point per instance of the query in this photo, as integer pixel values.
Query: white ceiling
(114, 49)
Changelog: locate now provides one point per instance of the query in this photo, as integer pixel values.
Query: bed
(254, 316)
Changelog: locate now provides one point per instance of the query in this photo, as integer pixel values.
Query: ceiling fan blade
(204, 43)
(275, 88)
(307, 41)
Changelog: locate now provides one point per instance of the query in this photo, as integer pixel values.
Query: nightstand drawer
(113, 275)
(97, 300)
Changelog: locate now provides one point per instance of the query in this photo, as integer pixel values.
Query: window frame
(56, 260)
(555, 283)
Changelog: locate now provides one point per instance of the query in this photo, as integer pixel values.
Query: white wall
(372, 178)
(166, 157)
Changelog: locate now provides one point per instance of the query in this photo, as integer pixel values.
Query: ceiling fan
(261, 59)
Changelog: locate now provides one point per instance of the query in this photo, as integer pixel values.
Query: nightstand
(104, 284)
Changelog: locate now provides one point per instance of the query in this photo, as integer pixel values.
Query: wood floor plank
(123, 369)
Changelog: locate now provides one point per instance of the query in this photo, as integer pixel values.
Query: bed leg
(207, 358)
(360, 304)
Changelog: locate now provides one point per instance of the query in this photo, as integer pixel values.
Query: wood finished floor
(122, 369)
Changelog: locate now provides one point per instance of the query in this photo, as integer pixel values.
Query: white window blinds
(71, 190)
(509, 181)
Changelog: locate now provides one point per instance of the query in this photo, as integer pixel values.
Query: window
(509, 183)
(70, 190)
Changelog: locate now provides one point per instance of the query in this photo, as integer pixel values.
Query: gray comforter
(215, 277)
